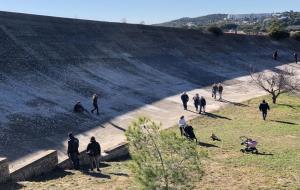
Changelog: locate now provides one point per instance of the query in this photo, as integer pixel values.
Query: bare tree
(276, 83)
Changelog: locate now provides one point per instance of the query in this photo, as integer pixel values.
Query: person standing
(184, 99)
(196, 99)
(94, 151)
(214, 91)
(220, 91)
(296, 57)
(73, 145)
(95, 104)
(182, 124)
(275, 55)
(264, 107)
(202, 104)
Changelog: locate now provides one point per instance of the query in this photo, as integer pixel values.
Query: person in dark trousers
(78, 108)
(220, 91)
(196, 99)
(184, 98)
(73, 145)
(202, 104)
(95, 104)
(214, 91)
(264, 107)
(94, 151)
(275, 55)
(296, 57)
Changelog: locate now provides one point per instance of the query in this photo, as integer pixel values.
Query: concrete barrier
(113, 153)
(46, 162)
(4, 171)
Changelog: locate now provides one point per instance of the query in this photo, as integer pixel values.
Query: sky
(149, 11)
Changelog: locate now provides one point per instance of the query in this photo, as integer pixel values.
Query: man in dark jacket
(196, 99)
(264, 107)
(95, 104)
(73, 144)
(296, 57)
(220, 91)
(94, 151)
(202, 104)
(214, 91)
(184, 99)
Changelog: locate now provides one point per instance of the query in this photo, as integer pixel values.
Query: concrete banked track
(47, 64)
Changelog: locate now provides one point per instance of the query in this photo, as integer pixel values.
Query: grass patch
(225, 167)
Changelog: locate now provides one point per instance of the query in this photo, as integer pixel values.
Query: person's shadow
(215, 116)
(207, 145)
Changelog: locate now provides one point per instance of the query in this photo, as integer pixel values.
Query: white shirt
(182, 123)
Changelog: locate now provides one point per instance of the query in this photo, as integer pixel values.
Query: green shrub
(162, 159)
(295, 35)
(278, 34)
(215, 30)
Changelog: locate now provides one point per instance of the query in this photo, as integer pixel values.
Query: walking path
(167, 111)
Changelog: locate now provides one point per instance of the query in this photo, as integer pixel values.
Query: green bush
(295, 35)
(278, 34)
(162, 159)
(215, 30)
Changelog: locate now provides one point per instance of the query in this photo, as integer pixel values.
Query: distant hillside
(244, 22)
(202, 20)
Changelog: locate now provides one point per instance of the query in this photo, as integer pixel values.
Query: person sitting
(78, 108)
(189, 132)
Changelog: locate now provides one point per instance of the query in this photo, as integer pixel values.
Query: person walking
(95, 104)
(202, 105)
(196, 99)
(264, 107)
(296, 57)
(182, 124)
(220, 91)
(184, 98)
(94, 151)
(275, 55)
(214, 91)
(73, 145)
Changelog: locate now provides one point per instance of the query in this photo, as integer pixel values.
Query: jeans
(75, 160)
(202, 108)
(95, 108)
(184, 105)
(264, 115)
(94, 161)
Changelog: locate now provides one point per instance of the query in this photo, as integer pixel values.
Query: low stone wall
(4, 171)
(43, 164)
(48, 161)
(113, 153)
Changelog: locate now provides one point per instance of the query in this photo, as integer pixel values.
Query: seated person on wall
(78, 108)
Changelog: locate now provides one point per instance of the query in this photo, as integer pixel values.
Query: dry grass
(226, 167)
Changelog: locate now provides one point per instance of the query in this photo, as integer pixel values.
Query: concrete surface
(47, 64)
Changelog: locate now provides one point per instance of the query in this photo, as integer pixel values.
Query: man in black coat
(184, 98)
(202, 104)
(264, 107)
(94, 151)
(73, 145)
(196, 99)
(95, 104)
(296, 57)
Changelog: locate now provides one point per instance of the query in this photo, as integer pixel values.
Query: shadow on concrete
(215, 116)
(207, 145)
(11, 186)
(234, 103)
(116, 126)
(284, 122)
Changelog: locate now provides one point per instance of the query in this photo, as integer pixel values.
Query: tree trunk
(274, 98)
